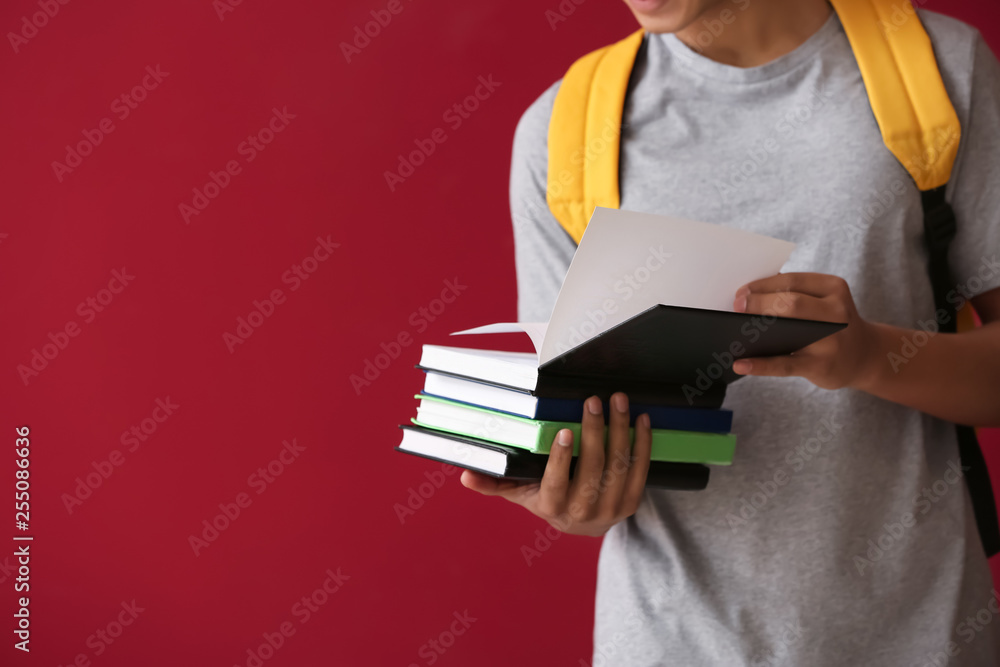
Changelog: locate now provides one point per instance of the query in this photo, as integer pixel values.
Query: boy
(843, 533)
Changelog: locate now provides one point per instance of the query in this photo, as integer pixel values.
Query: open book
(645, 308)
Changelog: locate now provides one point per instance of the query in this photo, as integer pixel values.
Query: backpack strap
(918, 122)
(584, 147)
(920, 127)
(915, 117)
(939, 229)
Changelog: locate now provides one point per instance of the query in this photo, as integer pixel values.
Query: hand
(848, 358)
(606, 487)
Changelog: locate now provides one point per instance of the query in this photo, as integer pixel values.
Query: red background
(162, 336)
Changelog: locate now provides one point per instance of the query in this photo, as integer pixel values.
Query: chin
(664, 15)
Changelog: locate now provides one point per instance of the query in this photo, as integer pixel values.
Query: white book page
(628, 262)
(535, 331)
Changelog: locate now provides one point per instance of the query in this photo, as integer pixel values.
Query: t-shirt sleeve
(542, 248)
(975, 181)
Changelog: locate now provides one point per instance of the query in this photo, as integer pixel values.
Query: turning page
(627, 262)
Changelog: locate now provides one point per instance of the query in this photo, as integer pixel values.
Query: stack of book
(498, 412)
(480, 409)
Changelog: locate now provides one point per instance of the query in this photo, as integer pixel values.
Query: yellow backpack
(911, 106)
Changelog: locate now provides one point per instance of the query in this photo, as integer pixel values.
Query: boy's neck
(748, 33)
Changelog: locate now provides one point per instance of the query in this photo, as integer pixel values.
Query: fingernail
(742, 366)
(621, 402)
(643, 420)
(565, 437)
(594, 405)
(743, 291)
(740, 305)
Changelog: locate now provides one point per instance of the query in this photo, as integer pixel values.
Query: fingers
(554, 487)
(791, 304)
(635, 481)
(607, 484)
(590, 460)
(600, 496)
(618, 453)
(811, 284)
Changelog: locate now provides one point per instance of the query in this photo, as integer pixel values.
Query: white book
(513, 369)
(479, 393)
(454, 451)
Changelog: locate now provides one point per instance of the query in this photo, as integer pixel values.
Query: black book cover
(669, 349)
(522, 464)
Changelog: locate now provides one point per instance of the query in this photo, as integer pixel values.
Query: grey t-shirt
(842, 534)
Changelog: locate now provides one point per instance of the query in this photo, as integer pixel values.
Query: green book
(537, 436)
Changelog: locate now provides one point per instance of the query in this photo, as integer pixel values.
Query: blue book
(524, 403)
